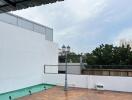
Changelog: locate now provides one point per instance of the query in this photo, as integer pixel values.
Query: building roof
(12, 5)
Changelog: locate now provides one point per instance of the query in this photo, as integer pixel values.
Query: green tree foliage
(90, 59)
(72, 57)
(110, 55)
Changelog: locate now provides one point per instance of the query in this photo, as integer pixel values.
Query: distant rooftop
(27, 24)
(12, 5)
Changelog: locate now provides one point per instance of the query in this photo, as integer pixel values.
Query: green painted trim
(27, 87)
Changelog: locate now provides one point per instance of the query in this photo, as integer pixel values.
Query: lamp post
(81, 62)
(65, 50)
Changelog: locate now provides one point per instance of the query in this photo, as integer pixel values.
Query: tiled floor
(57, 93)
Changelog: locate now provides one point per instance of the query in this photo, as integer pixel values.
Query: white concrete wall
(22, 56)
(73, 80)
(112, 83)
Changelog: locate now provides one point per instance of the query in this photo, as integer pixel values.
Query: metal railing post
(44, 69)
(66, 86)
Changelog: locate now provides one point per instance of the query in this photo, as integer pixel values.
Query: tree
(90, 59)
(72, 57)
(110, 55)
(103, 54)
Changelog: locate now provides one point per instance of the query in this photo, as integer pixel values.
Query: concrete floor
(57, 93)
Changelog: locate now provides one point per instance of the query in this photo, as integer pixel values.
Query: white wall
(73, 80)
(113, 83)
(22, 56)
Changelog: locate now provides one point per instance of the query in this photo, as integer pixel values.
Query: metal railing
(108, 70)
(61, 69)
(78, 70)
(109, 66)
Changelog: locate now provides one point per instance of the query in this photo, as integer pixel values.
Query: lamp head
(68, 48)
(63, 48)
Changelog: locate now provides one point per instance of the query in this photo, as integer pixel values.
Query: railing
(61, 69)
(108, 70)
(108, 82)
(81, 70)
(109, 66)
(27, 24)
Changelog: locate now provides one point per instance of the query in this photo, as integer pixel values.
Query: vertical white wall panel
(40, 29)
(49, 34)
(25, 24)
(8, 18)
(23, 54)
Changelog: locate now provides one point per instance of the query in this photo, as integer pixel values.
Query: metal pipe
(66, 86)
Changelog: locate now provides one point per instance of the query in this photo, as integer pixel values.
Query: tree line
(105, 54)
(117, 57)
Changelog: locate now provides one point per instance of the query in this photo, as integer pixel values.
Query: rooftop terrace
(58, 93)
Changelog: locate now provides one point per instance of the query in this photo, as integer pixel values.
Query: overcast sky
(85, 24)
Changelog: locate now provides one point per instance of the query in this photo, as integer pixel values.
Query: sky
(84, 24)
